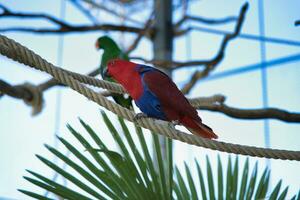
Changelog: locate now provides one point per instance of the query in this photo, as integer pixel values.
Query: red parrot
(157, 95)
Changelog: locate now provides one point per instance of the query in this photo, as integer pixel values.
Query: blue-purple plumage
(148, 102)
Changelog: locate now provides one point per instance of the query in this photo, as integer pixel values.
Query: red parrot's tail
(198, 128)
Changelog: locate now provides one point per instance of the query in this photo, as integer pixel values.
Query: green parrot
(112, 51)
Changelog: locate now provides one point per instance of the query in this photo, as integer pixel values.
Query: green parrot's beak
(97, 45)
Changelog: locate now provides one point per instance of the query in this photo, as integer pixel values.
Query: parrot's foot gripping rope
(21, 54)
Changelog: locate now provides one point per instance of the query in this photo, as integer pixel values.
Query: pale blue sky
(22, 136)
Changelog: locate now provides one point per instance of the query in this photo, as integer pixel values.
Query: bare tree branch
(64, 27)
(146, 28)
(267, 113)
(210, 63)
(210, 66)
(214, 103)
(205, 20)
(17, 91)
(75, 28)
(20, 92)
(110, 11)
(173, 65)
(53, 82)
(8, 13)
(85, 11)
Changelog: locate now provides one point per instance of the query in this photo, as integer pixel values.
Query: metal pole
(264, 74)
(163, 43)
(163, 39)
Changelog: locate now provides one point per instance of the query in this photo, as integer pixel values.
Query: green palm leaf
(159, 159)
(193, 190)
(60, 189)
(229, 180)
(235, 178)
(244, 180)
(251, 185)
(183, 188)
(275, 192)
(262, 185)
(210, 180)
(201, 180)
(220, 179)
(34, 195)
(149, 162)
(132, 173)
(283, 194)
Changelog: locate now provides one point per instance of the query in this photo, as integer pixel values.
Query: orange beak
(97, 45)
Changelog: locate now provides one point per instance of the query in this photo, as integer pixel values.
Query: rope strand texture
(21, 54)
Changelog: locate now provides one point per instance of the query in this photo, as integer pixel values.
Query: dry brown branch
(144, 32)
(267, 113)
(210, 66)
(8, 13)
(111, 11)
(63, 27)
(75, 29)
(210, 63)
(205, 20)
(17, 91)
(173, 65)
(20, 92)
(52, 82)
(209, 103)
(214, 103)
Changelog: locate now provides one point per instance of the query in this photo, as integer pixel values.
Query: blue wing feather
(148, 102)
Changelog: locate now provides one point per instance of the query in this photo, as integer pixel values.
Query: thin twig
(85, 11)
(63, 27)
(52, 82)
(8, 13)
(205, 20)
(210, 66)
(210, 63)
(20, 92)
(146, 28)
(173, 65)
(246, 36)
(75, 29)
(266, 113)
(111, 11)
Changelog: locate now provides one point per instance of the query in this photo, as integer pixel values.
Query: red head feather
(126, 73)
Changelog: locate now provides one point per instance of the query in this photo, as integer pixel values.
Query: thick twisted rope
(21, 54)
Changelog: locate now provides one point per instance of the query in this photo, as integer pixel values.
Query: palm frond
(132, 173)
(246, 187)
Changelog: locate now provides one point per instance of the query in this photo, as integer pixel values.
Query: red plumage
(173, 103)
